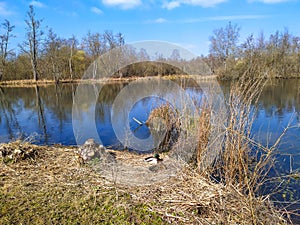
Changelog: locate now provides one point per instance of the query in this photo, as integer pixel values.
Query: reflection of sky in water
(267, 128)
(104, 127)
(270, 125)
(24, 122)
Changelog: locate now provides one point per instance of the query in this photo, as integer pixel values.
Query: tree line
(45, 55)
(275, 57)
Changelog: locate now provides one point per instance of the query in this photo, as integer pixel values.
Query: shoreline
(31, 82)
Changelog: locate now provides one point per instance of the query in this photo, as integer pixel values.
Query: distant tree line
(45, 55)
(277, 56)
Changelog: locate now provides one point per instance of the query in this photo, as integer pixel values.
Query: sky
(188, 23)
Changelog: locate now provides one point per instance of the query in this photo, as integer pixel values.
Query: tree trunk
(70, 68)
(34, 70)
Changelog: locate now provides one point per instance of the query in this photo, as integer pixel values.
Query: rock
(90, 142)
(91, 150)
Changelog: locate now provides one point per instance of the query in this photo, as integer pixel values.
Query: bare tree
(224, 42)
(4, 40)
(120, 39)
(52, 47)
(72, 42)
(109, 39)
(175, 56)
(143, 55)
(93, 44)
(96, 44)
(31, 45)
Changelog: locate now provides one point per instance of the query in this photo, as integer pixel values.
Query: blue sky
(188, 23)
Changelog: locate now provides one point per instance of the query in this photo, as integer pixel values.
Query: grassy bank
(48, 185)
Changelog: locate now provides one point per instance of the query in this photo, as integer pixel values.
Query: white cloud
(37, 4)
(96, 10)
(3, 9)
(236, 17)
(269, 1)
(224, 18)
(124, 4)
(171, 5)
(160, 20)
(206, 19)
(203, 3)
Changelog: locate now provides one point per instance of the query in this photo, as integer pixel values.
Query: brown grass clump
(164, 121)
(204, 128)
(164, 112)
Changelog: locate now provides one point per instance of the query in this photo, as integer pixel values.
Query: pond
(43, 115)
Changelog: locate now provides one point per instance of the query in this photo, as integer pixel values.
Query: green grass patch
(75, 205)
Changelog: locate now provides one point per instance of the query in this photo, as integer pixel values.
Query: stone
(91, 150)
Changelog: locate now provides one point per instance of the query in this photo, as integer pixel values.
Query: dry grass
(236, 160)
(204, 129)
(192, 199)
(53, 188)
(30, 82)
(164, 121)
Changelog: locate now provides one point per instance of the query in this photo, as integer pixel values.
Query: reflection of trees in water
(58, 100)
(41, 113)
(277, 98)
(43, 101)
(106, 97)
(280, 97)
(52, 104)
(7, 109)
